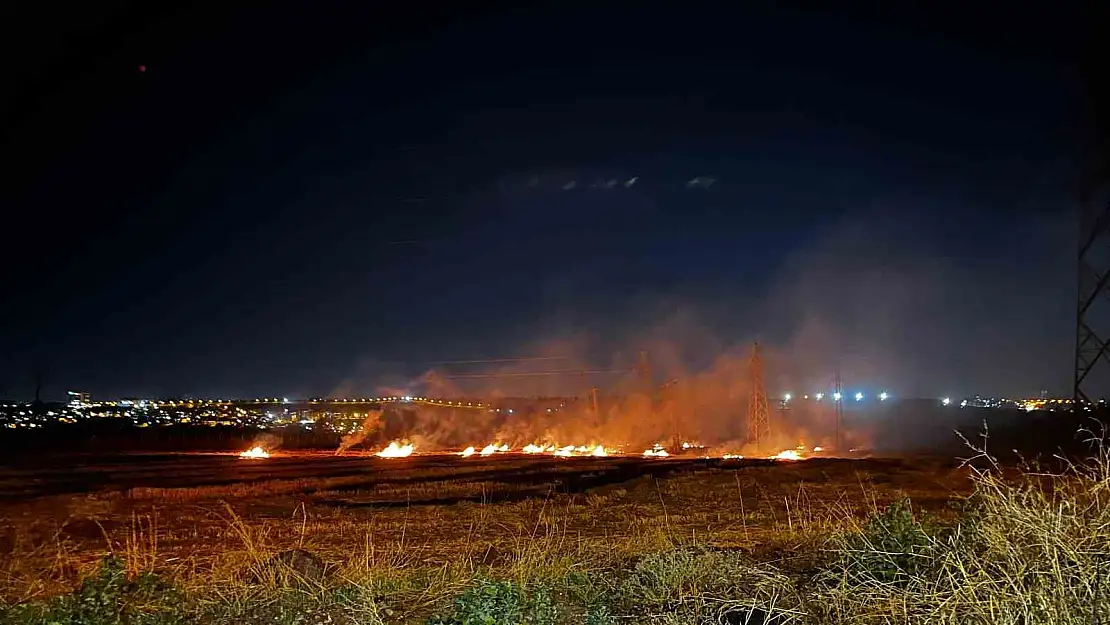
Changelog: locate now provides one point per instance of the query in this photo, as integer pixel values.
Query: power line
(497, 360)
(467, 362)
(523, 374)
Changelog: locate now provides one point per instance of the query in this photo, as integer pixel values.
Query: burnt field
(206, 517)
(509, 475)
(315, 537)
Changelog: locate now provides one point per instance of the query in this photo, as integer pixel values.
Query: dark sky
(309, 197)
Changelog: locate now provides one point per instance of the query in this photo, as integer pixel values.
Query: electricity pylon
(1092, 338)
(759, 425)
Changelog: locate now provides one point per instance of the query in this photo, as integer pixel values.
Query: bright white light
(946, 401)
(819, 396)
(859, 396)
(786, 397)
(836, 396)
(883, 396)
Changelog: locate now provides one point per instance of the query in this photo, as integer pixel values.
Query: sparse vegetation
(809, 542)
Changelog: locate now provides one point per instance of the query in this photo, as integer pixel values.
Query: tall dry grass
(1030, 548)
(1024, 547)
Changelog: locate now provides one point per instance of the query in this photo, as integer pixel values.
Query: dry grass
(786, 539)
(1030, 549)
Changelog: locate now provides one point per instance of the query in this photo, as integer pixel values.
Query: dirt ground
(199, 518)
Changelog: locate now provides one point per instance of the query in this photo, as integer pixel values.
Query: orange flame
(494, 448)
(396, 450)
(469, 451)
(787, 454)
(537, 449)
(581, 450)
(254, 452)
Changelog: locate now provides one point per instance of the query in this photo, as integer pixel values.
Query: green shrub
(590, 594)
(502, 603)
(108, 597)
(893, 547)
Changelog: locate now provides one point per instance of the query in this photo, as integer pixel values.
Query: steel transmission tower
(643, 373)
(1092, 345)
(759, 425)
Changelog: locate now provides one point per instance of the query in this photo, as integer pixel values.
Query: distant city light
(261, 412)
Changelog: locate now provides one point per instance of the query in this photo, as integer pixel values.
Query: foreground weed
(109, 597)
(593, 596)
(501, 603)
(695, 586)
(893, 547)
(1026, 549)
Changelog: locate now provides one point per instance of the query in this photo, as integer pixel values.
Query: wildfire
(733, 457)
(818, 449)
(396, 450)
(537, 449)
(493, 448)
(581, 450)
(254, 452)
(787, 454)
(533, 448)
(656, 451)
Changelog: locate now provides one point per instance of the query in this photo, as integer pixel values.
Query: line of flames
(398, 449)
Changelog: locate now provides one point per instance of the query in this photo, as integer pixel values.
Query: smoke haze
(877, 298)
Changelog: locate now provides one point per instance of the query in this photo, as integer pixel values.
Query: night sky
(311, 198)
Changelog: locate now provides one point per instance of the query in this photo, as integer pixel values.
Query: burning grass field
(516, 538)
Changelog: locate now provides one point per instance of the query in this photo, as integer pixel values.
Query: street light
(883, 396)
(836, 396)
(859, 396)
(819, 396)
(786, 397)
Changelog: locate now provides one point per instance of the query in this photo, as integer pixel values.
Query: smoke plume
(370, 424)
(875, 301)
